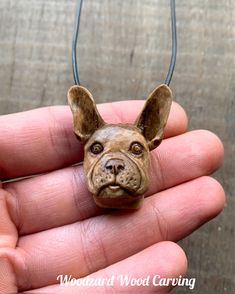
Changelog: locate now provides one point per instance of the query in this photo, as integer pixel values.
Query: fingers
(88, 246)
(165, 260)
(7, 277)
(42, 140)
(8, 239)
(8, 231)
(61, 197)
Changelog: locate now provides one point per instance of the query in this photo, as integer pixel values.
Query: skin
(50, 225)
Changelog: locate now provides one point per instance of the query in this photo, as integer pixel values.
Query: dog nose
(115, 166)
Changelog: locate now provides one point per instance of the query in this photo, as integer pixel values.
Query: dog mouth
(114, 187)
(113, 190)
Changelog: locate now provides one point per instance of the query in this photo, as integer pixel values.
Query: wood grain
(123, 53)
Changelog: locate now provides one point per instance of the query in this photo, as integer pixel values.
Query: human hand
(50, 226)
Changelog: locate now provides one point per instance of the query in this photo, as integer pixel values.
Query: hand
(50, 226)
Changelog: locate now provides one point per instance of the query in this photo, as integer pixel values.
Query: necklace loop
(173, 35)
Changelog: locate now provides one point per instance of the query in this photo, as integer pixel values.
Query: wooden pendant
(117, 156)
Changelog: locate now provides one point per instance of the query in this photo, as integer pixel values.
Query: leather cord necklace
(117, 156)
(173, 33)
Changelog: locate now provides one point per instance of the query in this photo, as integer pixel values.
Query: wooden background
(124, 52)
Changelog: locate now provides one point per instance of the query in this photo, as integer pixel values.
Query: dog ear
(153, 117)
(86, 118)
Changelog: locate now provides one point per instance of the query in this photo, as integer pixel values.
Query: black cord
(174, 43)
(74, 44)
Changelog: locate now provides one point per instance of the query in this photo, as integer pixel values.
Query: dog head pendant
(117, 157)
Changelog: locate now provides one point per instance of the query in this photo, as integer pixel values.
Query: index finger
(42, 140)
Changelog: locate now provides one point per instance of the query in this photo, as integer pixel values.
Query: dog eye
(136, 148)
(96, 148)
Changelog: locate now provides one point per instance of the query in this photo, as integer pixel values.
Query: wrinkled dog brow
(117, 156)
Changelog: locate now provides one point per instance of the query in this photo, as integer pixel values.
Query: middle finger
(61, 197)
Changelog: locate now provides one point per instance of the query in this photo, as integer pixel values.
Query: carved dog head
(116, 160)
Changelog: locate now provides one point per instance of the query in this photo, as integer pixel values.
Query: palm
(50, 225)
